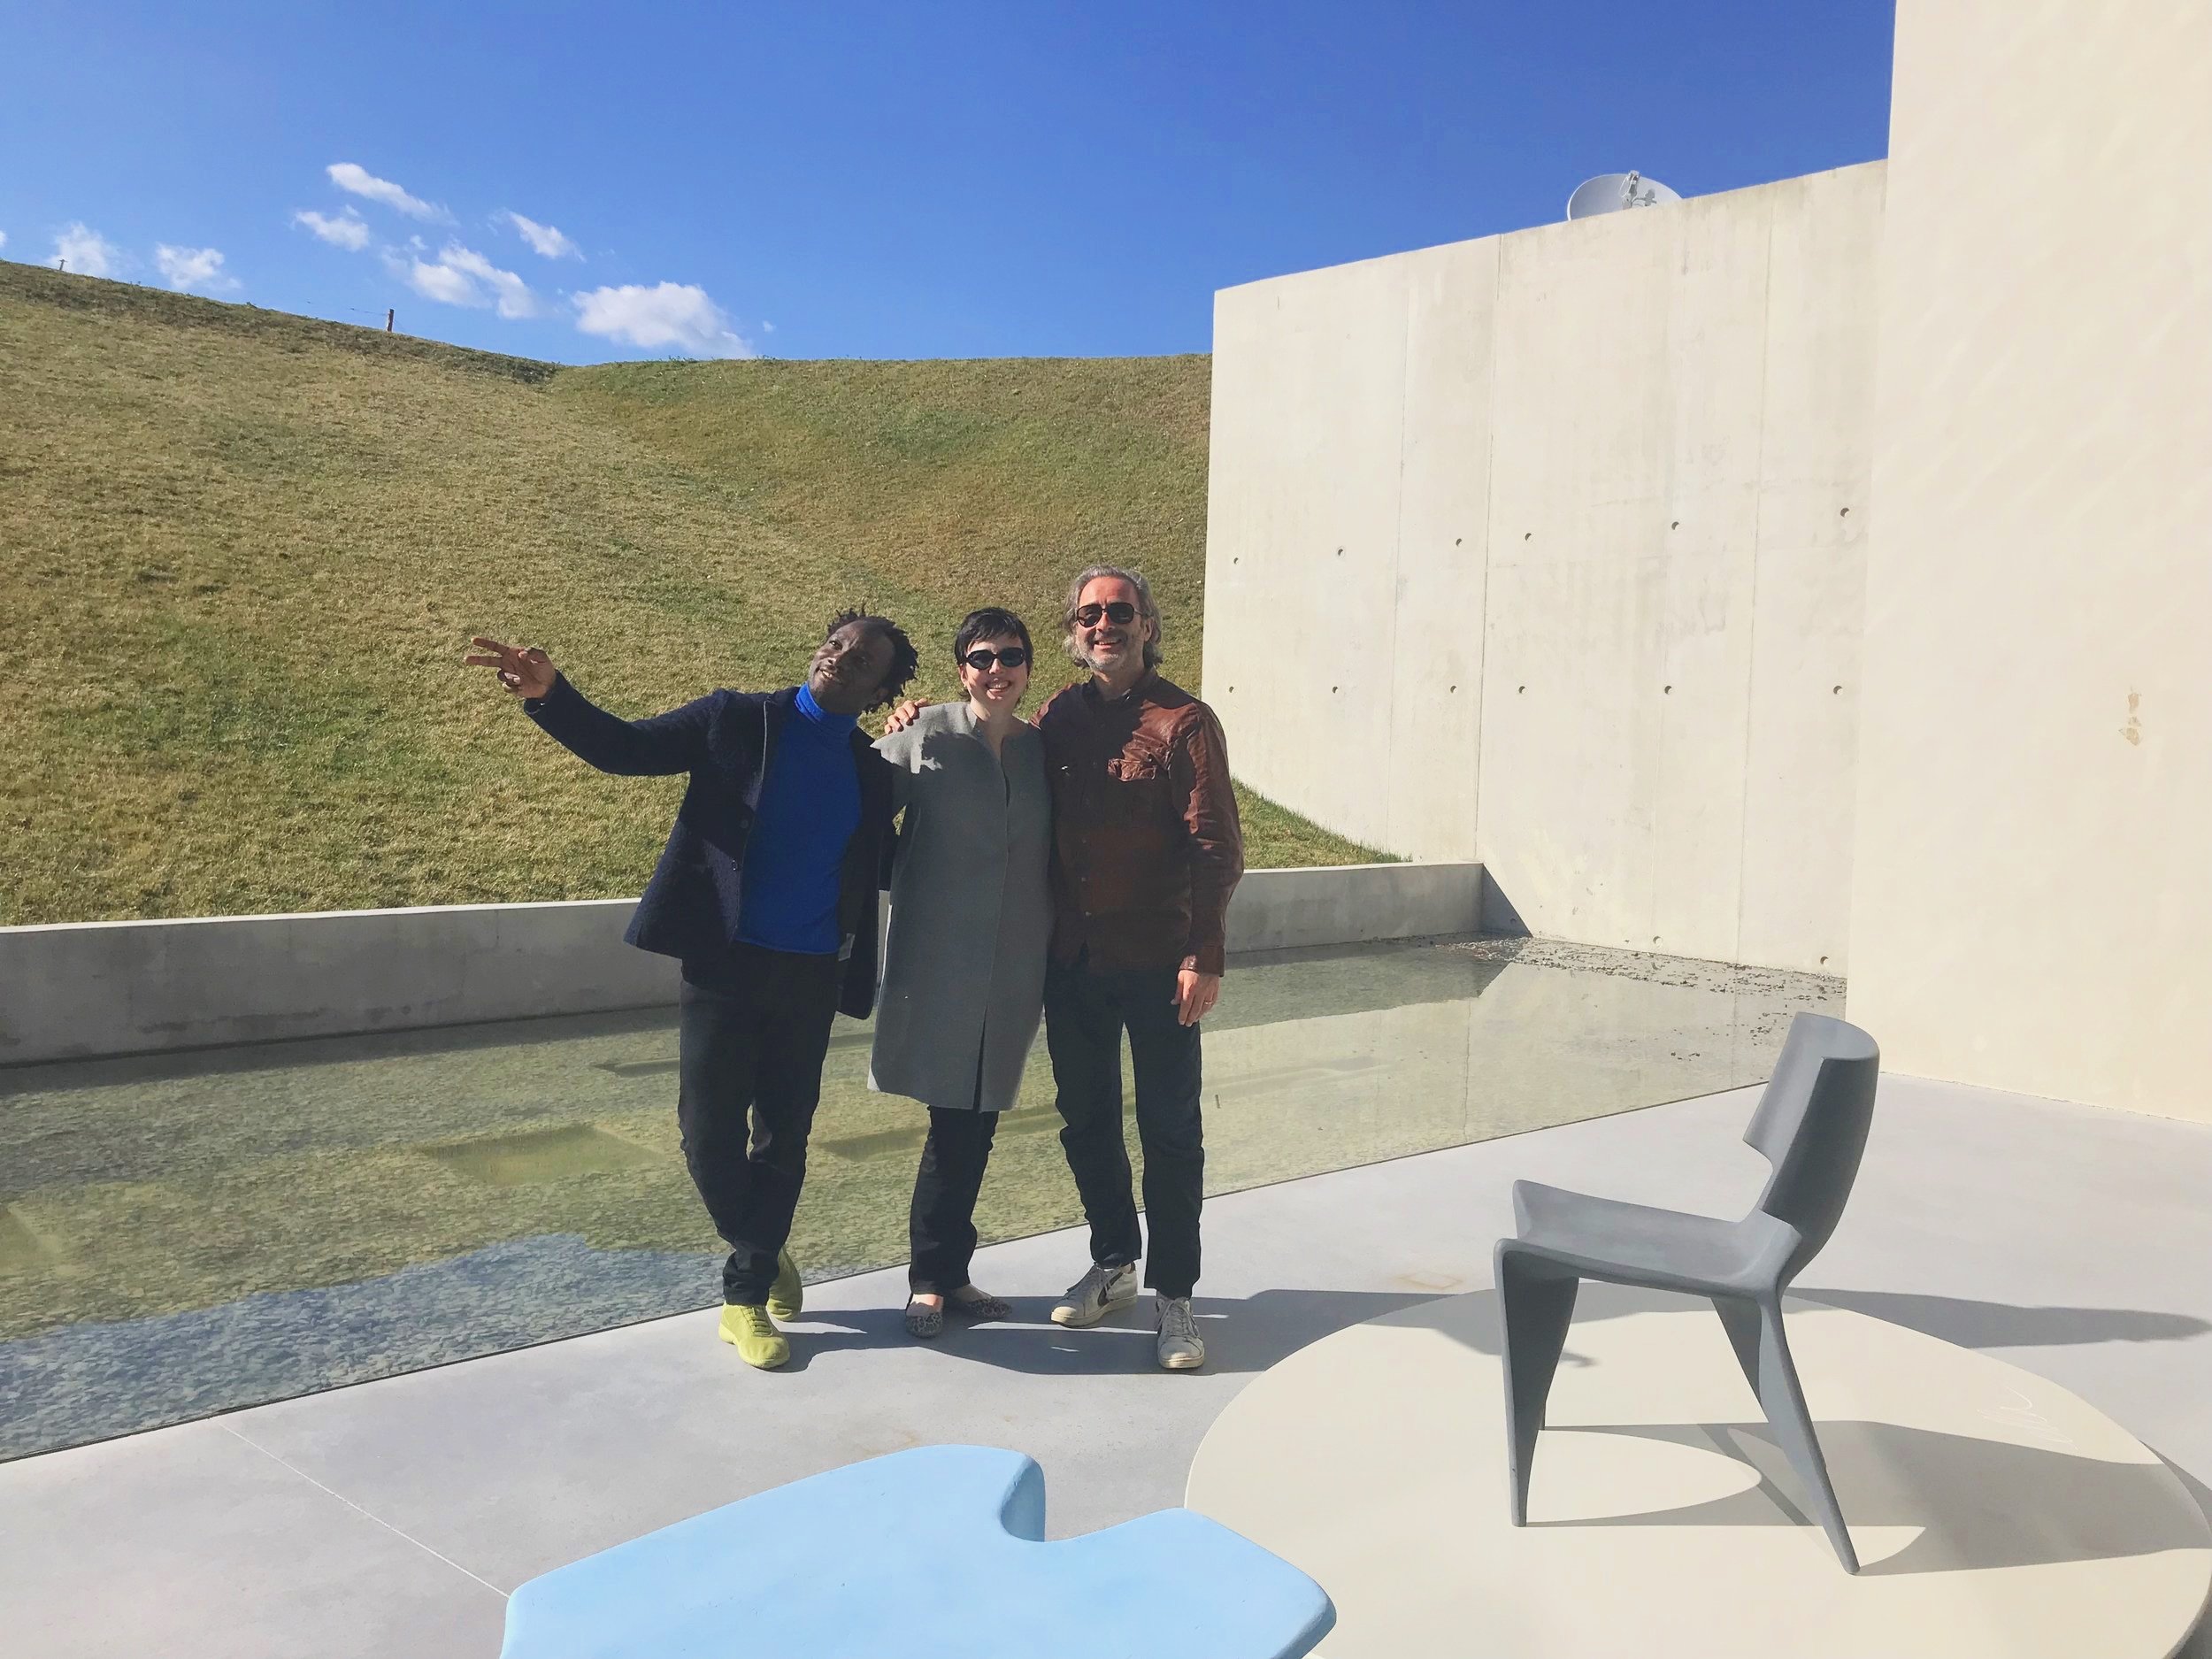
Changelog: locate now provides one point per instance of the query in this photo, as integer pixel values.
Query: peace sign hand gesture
(528, 673)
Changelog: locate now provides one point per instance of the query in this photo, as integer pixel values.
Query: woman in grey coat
(963, 966)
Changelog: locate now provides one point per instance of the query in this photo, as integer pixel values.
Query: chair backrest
(1811, 1125)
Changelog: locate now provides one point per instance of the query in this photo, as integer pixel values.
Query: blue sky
(875, 181)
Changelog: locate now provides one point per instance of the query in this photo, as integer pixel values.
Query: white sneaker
(1097, 1294)
(1180, 1346)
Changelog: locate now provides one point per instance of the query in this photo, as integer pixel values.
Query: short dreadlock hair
(905, 660)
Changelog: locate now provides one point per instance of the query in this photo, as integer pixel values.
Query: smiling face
(1108, 647)
(847, 674)
(998, 689)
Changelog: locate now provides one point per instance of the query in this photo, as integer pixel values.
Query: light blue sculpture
(1811, 1125)
(936, 1552)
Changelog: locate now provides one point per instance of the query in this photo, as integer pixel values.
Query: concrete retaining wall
(78, 990)
(1548, 550)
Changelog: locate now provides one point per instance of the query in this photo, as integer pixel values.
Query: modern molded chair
(1811, 1125)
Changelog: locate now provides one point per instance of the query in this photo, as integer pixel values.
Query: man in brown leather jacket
(1145, 851)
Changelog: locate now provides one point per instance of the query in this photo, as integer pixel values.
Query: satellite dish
(1611, 192)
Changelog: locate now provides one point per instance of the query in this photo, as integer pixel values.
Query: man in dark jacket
(766, 892)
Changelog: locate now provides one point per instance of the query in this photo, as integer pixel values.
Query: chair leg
(1784, 1402)
(1536, 1303)
(1740, 1320)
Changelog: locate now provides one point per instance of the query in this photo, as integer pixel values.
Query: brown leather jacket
(1146, 847)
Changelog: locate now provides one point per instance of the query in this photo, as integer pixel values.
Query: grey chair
(1811, 1125)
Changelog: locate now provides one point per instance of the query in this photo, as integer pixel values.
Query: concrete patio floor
(394, 1516)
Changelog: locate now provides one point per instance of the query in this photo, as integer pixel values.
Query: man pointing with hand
(766, 892)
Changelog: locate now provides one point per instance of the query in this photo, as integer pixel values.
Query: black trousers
(1085, 1013)
(751, 1033)
(940, 1226)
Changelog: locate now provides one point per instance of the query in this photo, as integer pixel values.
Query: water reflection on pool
(188, 1235)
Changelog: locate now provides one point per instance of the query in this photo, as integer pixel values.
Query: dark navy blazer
(689, 908)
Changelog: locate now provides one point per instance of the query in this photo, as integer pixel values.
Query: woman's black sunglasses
(1011, 657)
(1121, 613)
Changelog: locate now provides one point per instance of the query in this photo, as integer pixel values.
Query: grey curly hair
(1146, 610)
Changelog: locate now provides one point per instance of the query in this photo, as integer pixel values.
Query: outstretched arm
(670, 743)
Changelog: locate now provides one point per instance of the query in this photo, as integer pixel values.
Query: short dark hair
(990, 623)
(904, 659)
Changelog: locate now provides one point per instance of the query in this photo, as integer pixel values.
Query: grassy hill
(241, 554)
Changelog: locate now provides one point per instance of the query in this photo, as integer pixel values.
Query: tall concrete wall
(1548, 548)
(2033, 895)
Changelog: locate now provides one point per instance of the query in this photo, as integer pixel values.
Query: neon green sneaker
(753, 1335)
(787, 1297)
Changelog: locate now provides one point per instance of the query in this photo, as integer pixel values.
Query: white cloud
(460, 276)
(347, 176)
(440, 282)
(347, 230)
(670, 315)
(188, 268)
(4, 238)
(767, 327)
(544, 238)
(514, 297)
(86, 252)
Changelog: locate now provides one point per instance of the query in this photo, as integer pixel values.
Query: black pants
(1086, 1012)
(940, 1226)
(751, 1034)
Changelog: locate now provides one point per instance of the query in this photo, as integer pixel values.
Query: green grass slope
(241, 554)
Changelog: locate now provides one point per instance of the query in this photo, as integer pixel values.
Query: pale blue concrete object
(935, 1552)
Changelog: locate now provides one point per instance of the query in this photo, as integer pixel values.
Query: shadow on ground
(1242, 1335)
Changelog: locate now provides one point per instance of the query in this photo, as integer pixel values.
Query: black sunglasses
(1120, 613)
(1011, 657)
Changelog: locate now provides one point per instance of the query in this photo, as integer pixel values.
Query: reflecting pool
(182, 1235)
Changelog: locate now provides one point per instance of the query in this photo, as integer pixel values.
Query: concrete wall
(1547, 549)
(2033, 861)
(76, 990)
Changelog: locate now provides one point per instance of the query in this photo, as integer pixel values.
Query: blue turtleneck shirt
(810, 806)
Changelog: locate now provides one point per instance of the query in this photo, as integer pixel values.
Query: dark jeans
(1086, 1012)
(752, 1033)
(940, 1226)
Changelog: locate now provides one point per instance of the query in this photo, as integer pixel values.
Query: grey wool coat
(964, 967)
